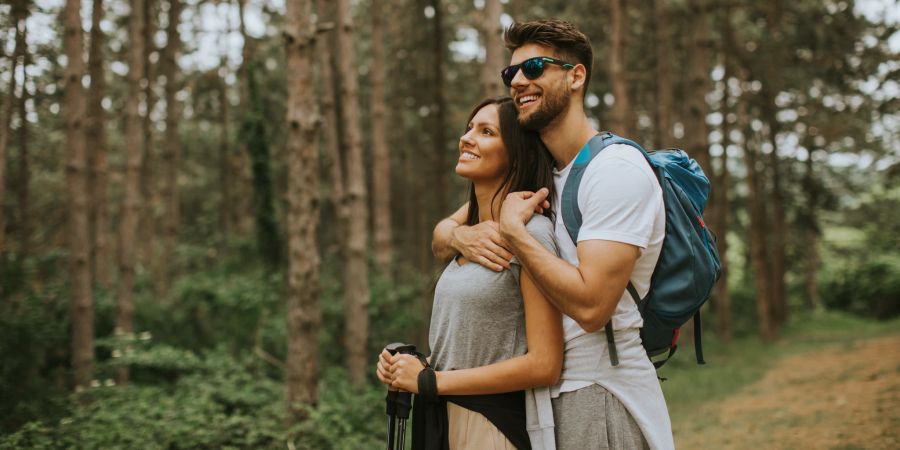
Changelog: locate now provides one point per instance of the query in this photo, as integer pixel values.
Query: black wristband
(427, 381)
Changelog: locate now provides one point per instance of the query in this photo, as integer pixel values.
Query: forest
(215, 213)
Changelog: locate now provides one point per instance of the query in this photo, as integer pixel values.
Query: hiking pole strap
(698, 347)
(611, 344)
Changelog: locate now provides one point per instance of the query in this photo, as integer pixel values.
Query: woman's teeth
(470, 155)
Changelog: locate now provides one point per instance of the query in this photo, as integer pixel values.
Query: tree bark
(331, 125)
(772, 86)
(356, 271)
(149, 194)
(758, 241)
(812, 231)
(438, 109)
(663, 134)
(134, 148)
(621, 109)
(6, 121)
(303, 211)
(226, 177)
(82, 313)
(24, 178)
(491, 33)
(696, 134)
(167, 264)
(97, 153)
(381, 157)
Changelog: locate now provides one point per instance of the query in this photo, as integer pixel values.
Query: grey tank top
(478, 317)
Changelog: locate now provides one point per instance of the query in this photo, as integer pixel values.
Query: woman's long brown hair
(530, 163)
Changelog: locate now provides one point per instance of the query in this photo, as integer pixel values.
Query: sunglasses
(532, 68)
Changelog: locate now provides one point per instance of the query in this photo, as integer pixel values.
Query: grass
(731, 367)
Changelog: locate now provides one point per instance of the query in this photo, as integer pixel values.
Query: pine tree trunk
(663, 136)
(721, 188)
(97, 153)
(491, 34)
(6, 121)
(438, 114)
(76, 180)
(303, 211)
(167, 266)
(811, 230)
(758, 242)
(695, 131)
(226, 177)
(149, 194)
(772, 86)
(356, 271)
(381, 157)
(134, 140)
(331, 126)
(24, 178)
(621, 109)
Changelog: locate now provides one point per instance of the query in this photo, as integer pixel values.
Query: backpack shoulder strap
(571, 214)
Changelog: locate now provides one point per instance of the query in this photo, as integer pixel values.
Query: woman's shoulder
(539, 224)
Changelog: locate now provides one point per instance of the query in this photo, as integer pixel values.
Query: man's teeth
(527, 99)
(469, 155)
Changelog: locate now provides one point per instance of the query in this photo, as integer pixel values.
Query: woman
(493, 335)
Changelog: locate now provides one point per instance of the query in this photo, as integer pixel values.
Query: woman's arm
(540, 366)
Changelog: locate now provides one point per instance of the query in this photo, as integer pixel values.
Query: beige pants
(469, 430)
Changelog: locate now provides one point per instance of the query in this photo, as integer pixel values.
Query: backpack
(688, 264)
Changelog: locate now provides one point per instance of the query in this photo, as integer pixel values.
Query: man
(596, 405)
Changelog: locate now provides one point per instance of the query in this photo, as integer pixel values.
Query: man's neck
(567, 134)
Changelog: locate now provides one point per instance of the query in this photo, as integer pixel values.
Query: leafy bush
(871, 289)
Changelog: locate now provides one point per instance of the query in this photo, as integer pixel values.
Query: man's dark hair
(570, 44)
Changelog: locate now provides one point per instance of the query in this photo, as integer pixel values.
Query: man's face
(541, 100)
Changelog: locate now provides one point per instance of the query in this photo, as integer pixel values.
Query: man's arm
(479, 243)
(588, 293)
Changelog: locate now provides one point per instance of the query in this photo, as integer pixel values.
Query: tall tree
(491, 33)
(82, 315)
(381, 157)
(721, 189)
(303, 210)
(254, 138)
(663, 136)
(134, 147)
(226, 176)
(696, 134)
(773, 84)
(438, 114)
(6, 118)
(147, 219)
(621, 108)
(356, 271)
(97, 153)
(171, 151)
(811, 231)
(24, 179)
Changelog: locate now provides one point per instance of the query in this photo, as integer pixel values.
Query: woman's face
(482, 154)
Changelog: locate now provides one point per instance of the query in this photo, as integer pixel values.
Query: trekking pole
(398, 403)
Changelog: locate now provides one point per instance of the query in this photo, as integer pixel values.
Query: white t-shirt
(620, 200)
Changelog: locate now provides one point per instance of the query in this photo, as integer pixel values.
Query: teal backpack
(688, 265)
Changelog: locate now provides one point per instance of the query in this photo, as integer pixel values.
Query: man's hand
(482, 244)
(518, 207)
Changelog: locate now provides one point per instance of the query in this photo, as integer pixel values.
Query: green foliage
(872, 289)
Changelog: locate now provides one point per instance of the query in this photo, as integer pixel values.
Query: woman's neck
(484, 193)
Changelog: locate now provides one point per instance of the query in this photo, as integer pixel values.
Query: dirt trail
(841, 397)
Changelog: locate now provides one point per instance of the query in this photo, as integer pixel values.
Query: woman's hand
(383, 368)
(405, 371)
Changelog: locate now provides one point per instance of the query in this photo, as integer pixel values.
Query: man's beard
(551, 107)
